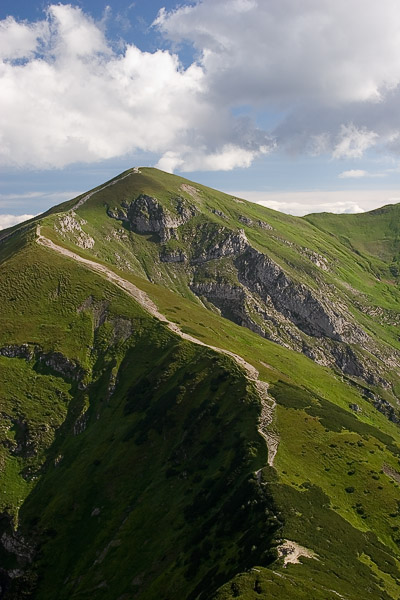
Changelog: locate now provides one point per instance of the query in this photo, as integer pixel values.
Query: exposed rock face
(299, 304)
(264, 225)
(146, 215)
(173, 256)
(14, 351)
(17, 545)
(69, 223)
(13, 544)
(234, 303)
(246, 220)
(99, 309)
(218, 242)
(348, 362)
(267, 301)
(256, 292)
(228, 298)
(15, 549)
(250, 223)
(122, 328)
(54, 360)
(320, 261)
(81, 423)
(27, 441)
(383, 406)
(219, 213)
(60, 364)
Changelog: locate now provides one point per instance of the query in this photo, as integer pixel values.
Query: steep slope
(375, 233)
(140, 464)
(112, 424)
(275, 274)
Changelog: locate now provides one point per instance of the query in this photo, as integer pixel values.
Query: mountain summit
(199, 399)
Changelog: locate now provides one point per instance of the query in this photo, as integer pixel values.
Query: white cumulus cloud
(227, 158)
(337, 51)
(328, 71)
(10, 220)
(323, 75)
(67, 96)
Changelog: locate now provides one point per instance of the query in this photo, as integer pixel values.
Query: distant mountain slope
(376, 232)
(139, 464)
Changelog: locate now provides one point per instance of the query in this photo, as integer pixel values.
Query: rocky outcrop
(15, 544)
(320, 261)
(219, 213)
(173, 255)
(237, 304)
(16, 550)
(222, 295)
(267, 301)
(121, 328)
(14, 351)
(348, 362)
(55, 361)
(99, 309)
(250, 223)
(146, 214)
(246, 220)
(25, 441)
(59, 363)
(256, 292)
(69, 223)
(217, 242)
(264, 225)
(383, 406)
(81, 422)
(299, 304)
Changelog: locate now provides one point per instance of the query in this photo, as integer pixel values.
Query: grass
(150, 491)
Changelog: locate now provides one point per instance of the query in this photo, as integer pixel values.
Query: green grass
(150, 491)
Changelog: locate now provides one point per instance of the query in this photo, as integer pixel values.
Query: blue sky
(295, 105)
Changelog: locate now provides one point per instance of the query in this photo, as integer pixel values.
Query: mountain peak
(198, 394)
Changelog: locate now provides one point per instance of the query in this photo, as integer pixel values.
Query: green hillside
(375, 232)
(140, 457)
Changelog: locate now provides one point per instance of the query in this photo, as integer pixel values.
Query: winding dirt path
(267, 403)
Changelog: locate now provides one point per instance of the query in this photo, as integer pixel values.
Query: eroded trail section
(267, 403)
(291, 552)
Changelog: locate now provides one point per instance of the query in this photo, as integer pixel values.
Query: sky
(292, 104)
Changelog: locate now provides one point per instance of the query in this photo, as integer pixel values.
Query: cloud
(303, 203)
(227, 158)
(360, 173)
(20, 40)
(353, 142)
(341, 51)
(353, 174)
(67, 96)
(10, 220)
(328, 71)
(326, 74)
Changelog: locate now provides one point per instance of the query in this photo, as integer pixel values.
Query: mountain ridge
(335, 428)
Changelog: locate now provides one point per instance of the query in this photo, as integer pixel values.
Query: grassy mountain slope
(375, 233)
(131, 459)
(145, 435)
